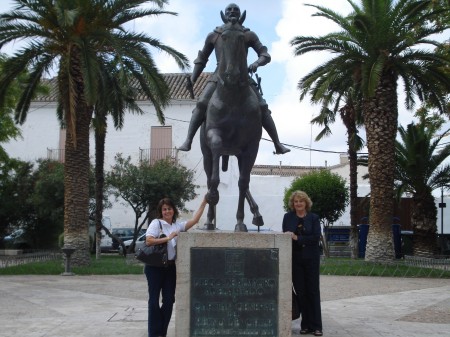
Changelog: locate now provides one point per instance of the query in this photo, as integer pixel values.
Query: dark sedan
(124, 234)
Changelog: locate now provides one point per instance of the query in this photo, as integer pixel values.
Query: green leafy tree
(377, 46)
(33, 200)
(8, 129)
(48, 204)
(15, 190)
(142, 186)
(327, 191)
(420, 169)
(74, 36)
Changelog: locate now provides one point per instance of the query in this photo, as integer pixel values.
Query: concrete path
(96, 306)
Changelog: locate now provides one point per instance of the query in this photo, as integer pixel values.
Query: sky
(276, 22)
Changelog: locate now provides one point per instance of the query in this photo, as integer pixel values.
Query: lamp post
(68, 251)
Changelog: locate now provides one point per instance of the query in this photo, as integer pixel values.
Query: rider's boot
(194, 124)
(269, 126)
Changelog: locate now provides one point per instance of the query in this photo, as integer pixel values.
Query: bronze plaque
(234, 292)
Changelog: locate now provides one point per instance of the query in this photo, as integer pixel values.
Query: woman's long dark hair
(168, 202)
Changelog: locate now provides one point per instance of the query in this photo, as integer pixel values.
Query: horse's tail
(225, 162)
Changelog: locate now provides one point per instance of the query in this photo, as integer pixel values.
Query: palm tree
(420, 169)
(118, 92)
(70, 34)
(375, 48)
(336, 91)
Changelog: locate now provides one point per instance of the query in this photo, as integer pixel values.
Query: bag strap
(160, 228)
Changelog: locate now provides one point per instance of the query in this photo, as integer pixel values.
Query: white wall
(41, 131)
(268, 192)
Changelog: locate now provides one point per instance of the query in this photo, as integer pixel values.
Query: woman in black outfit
(162, 280)
(304, 228)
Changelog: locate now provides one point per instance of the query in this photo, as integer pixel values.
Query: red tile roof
(176, 82)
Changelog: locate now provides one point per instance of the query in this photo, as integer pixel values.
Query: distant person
(305, 231)
(214, 42)
(162, 280)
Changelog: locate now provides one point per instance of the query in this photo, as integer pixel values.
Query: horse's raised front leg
(254, 208)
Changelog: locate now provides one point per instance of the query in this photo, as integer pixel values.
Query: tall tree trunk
(348, 117)
(76, 166)
(100, 135)
(424, 217)
(381, 116)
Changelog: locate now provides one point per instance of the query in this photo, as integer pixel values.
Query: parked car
(140, 242)
(124, 234)
(16, 239)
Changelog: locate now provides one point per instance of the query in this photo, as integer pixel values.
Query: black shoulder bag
(155, 255)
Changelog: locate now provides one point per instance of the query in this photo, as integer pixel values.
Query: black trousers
(305, 277)
(161, 282)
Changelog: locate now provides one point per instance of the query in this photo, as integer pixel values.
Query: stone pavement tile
(384, 315)
(38, 311)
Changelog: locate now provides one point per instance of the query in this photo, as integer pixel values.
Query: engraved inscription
(234, 292)
(234, 263)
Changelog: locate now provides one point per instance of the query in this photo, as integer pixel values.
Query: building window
(160, 145)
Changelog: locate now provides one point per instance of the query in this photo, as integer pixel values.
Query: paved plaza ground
(96, 306)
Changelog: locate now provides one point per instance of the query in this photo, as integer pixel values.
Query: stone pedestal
(233, 284)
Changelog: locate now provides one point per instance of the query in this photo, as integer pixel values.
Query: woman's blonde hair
(303, 197)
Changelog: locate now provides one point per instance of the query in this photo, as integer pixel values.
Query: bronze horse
(232, 126)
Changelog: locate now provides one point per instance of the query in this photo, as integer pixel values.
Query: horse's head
(232, 69)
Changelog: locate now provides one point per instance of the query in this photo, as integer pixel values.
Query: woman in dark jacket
(304, 228)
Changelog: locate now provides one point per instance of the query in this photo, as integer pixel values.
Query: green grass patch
(106, 265)
(360, 267)
(117, 265)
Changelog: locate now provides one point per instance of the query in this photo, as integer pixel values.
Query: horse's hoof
(281, 149)
(210, 226)
(186, 146)
(240, 228)
(258, 220)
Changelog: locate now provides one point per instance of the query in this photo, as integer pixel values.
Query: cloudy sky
(276, 23)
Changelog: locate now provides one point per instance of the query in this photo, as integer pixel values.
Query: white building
(142, 137)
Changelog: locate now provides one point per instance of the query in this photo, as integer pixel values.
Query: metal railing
(20, 257)
(153, 155)
(146, 155)
(56, 155)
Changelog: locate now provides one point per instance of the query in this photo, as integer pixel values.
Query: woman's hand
(293, 236)
(197, 214)
(172, 235)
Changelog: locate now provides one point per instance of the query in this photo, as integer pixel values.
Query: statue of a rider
(232, 14)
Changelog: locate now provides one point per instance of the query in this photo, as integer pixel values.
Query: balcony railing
(56, 154)
(147, 155)
(153, 155)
